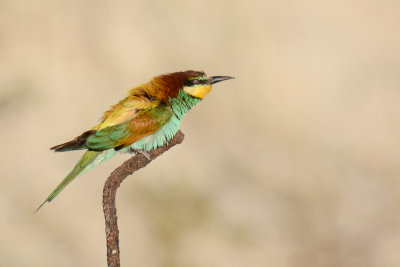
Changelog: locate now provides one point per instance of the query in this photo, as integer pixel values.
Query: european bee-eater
(146, 119)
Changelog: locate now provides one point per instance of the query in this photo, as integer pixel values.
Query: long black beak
(217, 79)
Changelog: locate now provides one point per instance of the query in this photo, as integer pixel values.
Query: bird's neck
(183, 103)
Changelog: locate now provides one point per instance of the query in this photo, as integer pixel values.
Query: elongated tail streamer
(88, 161)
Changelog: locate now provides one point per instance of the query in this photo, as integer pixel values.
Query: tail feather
(83, 164)
(76, 144)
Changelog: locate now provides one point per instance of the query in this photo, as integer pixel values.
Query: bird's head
(197, 84)
(193, 83)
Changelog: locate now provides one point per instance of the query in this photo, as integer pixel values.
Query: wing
(137, 115)
(126, 133)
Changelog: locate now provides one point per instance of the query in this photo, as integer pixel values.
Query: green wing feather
(109, 137)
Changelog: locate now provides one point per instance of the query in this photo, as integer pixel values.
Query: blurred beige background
(294, 163)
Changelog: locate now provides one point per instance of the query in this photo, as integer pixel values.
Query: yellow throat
(198, 91)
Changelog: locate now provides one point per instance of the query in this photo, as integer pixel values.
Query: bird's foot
(144, 153)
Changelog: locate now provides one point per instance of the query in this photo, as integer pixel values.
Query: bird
(147, 118)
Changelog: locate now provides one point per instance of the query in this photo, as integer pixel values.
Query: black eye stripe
(194, 82)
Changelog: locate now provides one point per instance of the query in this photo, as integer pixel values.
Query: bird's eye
(195, 81)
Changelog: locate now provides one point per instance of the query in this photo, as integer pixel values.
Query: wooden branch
(110, 189)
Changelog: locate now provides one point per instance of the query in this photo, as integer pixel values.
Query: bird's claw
(144, 153)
